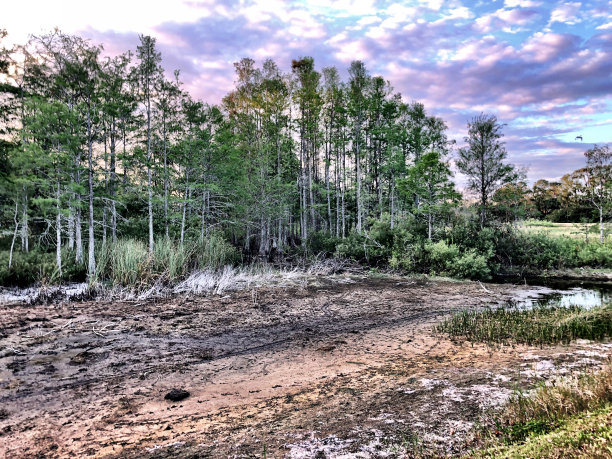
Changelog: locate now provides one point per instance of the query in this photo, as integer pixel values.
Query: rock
(176, 395)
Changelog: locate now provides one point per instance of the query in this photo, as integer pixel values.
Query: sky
(544, 68)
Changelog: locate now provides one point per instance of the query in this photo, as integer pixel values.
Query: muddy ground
(342, 367)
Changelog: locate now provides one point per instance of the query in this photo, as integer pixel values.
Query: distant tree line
(584, 195)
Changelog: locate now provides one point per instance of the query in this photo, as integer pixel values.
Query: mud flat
(343, 367)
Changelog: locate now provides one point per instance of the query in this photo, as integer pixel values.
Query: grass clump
(538, 326)
(587, 435)
(570, 417)
(128, 262)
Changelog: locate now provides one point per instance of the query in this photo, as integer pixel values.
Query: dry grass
(561, 398)
(565, 417)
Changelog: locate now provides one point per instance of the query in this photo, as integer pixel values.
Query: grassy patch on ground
(570, 417)
(587, 435)
(537, 326)
(574, 230)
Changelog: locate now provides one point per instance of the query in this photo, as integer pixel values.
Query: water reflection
(588, 298)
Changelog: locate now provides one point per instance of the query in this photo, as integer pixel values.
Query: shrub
(321, 242)
(471, 265)
(39, 266)
(441, 257)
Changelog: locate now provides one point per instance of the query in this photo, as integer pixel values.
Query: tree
(430, 181)
(545, 196)
(599, 182)
(359, 81)
(510, 201)
(482, 160)
(307, 97)
(148, 73)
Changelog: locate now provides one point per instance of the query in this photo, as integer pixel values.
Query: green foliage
(585, 435)
(537, 326)
(38, 266)
(373, 247)
(539, 251)
(213, 253)
(471, 265)
(125, 262)
(568, 418)
(442, 256)
(429, 183)
(321, 242)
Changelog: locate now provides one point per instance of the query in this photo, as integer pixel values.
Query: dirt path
(342, 369)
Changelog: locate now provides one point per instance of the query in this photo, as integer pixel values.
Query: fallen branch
(484, 288)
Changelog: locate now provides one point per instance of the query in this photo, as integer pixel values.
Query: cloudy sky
(543, 67)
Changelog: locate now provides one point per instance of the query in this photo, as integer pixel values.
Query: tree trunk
(327, 161)
(71, 229)
(392, 197)
(58, 230)
(92, 260)
(113, 179)
(106, 173)
(77, 224)
(165, 180)
(25, 245)
(10, 261)
(311, 190)
(185, 200)
(358, 173)
(343, 187)
(78, 237)
(149, 184)
(601, 225)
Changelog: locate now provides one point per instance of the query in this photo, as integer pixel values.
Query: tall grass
(537, 326)
(564, 397)
(566, 417)
(213, 253)
(128, 262)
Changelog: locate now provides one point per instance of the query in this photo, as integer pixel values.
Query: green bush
(39, 266)
(540, 251)
(441, 257)
(594, 254)
(471, 265)
(321, 242)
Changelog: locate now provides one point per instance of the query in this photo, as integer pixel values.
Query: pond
(569, 293)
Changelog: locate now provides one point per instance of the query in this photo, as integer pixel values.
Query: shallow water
(566, 294)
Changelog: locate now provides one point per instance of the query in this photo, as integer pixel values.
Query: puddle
(588, 296)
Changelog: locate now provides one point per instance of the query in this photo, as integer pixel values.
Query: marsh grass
(567, 417)
(128, 262)
(538, 326)
(560, 398)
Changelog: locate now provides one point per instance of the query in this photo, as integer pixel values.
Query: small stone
(176, 395)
